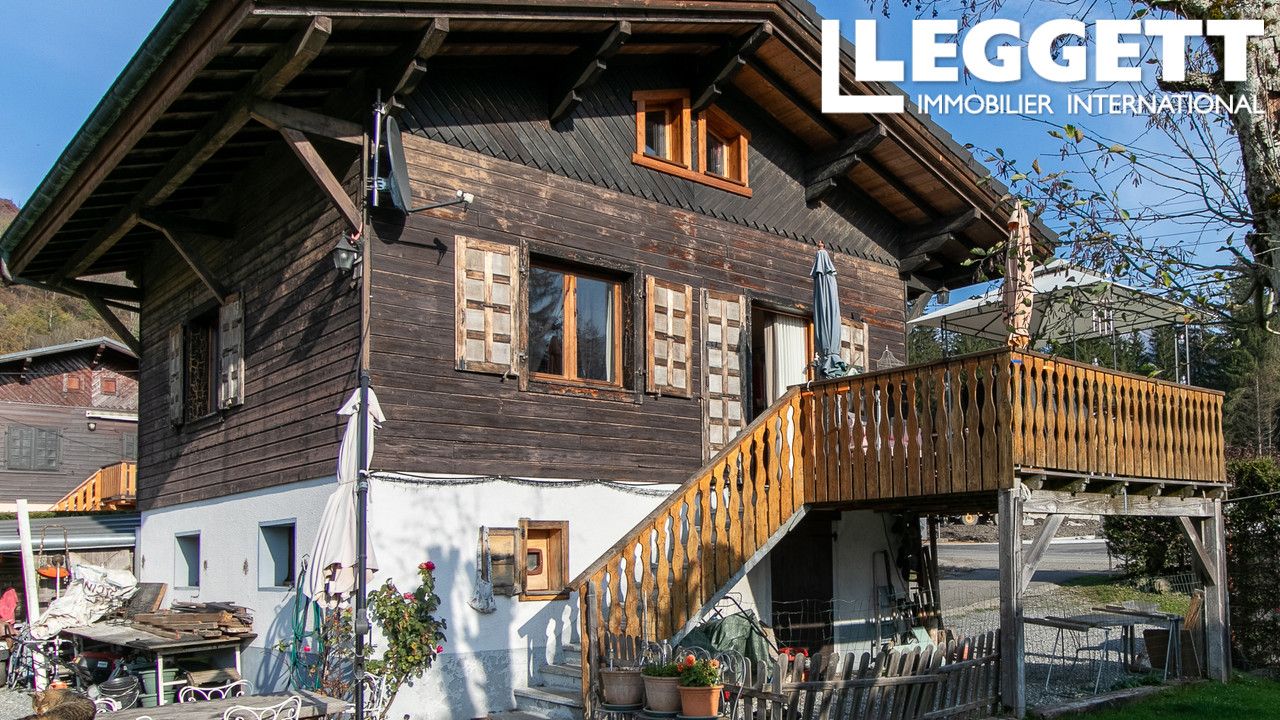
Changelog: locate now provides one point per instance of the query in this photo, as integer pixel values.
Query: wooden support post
(193, 261)
(323, 176)
(121, 330)
(1216, 613)
(1038, 548)
(1206, 566)
(585, 69)
(1012, 661)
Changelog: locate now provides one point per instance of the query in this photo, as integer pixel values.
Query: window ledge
(545, 596)
(681, 171)
(581, 389)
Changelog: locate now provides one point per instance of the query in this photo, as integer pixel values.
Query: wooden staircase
(113, 487)
(921, 435)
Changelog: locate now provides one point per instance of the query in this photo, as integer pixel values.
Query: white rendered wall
(229, 551)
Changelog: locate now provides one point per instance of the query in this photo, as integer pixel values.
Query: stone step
(562, 676)
(516, 715)
(554, 703)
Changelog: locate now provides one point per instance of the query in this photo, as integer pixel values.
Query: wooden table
(314, 705)
(128, 636)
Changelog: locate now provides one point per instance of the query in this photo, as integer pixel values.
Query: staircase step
(516, 715)
(562, 676)
(555, 703)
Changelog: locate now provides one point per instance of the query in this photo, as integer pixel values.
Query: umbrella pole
(361, 615)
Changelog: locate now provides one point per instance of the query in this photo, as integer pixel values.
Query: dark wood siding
(444, 420)
(501, 112)
(81, 450)
(300, 342)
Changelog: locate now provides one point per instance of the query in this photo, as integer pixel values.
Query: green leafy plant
(661, 670)
(698, 673)
(414, 635)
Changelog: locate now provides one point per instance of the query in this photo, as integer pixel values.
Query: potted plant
(700, 687)
(661, 681)
(622, 686)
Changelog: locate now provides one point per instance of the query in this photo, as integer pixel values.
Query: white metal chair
(106, 705)
(376, 695)
(290, 709)
(191, 693)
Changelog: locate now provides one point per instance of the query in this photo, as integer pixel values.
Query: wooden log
(1012, 671)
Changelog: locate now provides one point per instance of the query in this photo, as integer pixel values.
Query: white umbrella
(333, 557)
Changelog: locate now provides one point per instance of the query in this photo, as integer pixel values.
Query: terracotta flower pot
(700, 701)
(661, 694)
(622, 687)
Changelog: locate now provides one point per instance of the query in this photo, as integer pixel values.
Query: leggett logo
(1114, 44)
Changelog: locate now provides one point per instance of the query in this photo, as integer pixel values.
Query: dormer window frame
(716, 123)
(678, 143)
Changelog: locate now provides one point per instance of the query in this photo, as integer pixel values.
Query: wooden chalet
(624, 301)
(67, 411)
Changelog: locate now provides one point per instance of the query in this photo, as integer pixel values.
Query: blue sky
(57, 59)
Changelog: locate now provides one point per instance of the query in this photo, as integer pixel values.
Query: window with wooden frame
(574, 325)
(530, 561)
(206, 363)
(663, 120)
(108, 386)
(71, 382)
(722, 149)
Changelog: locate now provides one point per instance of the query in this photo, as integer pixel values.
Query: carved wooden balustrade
(962, 426)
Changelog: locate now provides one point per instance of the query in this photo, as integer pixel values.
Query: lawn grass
(1245, 697)
(1105, 589)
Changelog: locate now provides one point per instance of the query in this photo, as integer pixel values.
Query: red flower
(428, 565)
(439, 649)
(408, 596)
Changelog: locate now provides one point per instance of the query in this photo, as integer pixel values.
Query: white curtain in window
(787, 344)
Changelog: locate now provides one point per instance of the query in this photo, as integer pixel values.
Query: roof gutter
(154, 51)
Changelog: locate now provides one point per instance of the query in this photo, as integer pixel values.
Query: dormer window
(723, 153)
(663, 122)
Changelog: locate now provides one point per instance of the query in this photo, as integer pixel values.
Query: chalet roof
(175, 129)
(98, 531)
(69, 347)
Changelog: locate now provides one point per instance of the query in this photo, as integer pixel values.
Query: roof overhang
(179, 124)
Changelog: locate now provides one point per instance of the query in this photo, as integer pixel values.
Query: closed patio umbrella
(333, 557)
(826, 317)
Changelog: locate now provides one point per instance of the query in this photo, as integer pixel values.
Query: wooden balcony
(113, 487)
(973, 424)
(934, 437)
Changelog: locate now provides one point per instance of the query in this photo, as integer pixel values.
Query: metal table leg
(159, 679)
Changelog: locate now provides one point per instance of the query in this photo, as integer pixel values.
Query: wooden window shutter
(487, 297)
(231, 349)
(175, 374)
(853, 344)
(724, 335)
(506, 561)
(670, 313)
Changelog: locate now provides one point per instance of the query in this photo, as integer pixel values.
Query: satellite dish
(397, 182)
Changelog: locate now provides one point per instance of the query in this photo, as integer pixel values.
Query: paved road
(970, 571)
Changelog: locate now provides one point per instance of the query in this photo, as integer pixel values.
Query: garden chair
(290, 709)
(191, 693)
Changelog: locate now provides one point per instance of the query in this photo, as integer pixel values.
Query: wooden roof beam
(835, 163)
(726, 66)
(186, 225)
(933, 232)
(925, 253)
(107, 291)
(287, 63)
(917, 200)
(117, 325)
(277, 116)
(189, 256)
(585, 68)
(786, 91)
(332, 187)
(410, 64)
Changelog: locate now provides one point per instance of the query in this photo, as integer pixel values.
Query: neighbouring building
(67, 411)
(596, 374)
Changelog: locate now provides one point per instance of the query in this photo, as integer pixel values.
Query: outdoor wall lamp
(92, 426)
(346, 255)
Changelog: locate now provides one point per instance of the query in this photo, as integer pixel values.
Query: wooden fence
(960, 679)
(113, 487)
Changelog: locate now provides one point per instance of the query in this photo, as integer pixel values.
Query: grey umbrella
(826, 317)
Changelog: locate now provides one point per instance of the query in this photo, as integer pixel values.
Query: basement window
(546, 558)
(186, 560)
(276, 555)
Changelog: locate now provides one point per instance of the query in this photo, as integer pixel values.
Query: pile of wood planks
(210, 620)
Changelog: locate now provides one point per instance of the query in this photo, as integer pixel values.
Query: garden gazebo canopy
(1071, 303)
